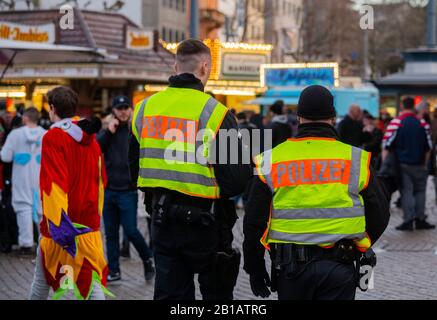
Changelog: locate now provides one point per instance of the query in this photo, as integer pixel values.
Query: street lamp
(431, 24)
(194, 25)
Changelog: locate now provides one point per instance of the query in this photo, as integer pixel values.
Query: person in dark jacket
(204, 247)
(281, 130)
(324, 276)
(409, 139)
(374, 145)
(121, 195)
(351, 131)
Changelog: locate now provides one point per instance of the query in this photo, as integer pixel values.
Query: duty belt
(174, 208)
(343, 251)
(172, 198)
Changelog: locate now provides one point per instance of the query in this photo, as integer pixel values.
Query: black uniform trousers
(318, 280)
(180, 252)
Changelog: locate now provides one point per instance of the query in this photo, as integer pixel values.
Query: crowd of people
(22, 135)
(69, 174)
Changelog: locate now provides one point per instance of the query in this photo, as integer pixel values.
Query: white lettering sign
(242, 65)
(55, 71)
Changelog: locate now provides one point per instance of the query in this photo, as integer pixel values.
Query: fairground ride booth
(102, 56)
(287, 81)
(235, 76)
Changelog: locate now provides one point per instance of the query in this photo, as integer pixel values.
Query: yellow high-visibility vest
(166, 126)
(316, 185)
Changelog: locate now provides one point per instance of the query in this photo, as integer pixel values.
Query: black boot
(423, 225)
(125, 249)
(406, 226)
(149, 270)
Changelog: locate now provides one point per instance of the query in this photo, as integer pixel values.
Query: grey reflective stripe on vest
(176, 176)
(354, 180)
(139, 120)
(267, 164)
(309, 213)
(207, 112)
(168, 155)
(316, 238)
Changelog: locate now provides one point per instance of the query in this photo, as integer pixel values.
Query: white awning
(30, 52)
(21, 45)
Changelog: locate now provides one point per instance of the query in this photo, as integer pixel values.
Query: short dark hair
(64, 100)
(192, 47)
(277, 107)
(32, 114)
(408, 103)
(189, 54)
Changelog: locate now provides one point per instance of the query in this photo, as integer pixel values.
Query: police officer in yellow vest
(172, 153)
(317, 206)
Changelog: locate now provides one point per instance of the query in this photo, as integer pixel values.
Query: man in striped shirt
(410, 139)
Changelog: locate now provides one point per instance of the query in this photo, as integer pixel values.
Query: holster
(166, 213)
(191, 216)
(225, 272)
(275, 257)
(366, 262)
(160, 208)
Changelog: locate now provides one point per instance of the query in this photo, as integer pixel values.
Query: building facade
(254, 26)
(169, 17)
(283, 19)
(104, 55)
(130, 9)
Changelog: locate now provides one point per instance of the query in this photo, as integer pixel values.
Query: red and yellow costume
(72, 190)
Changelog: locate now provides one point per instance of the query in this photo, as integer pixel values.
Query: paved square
(407, 264)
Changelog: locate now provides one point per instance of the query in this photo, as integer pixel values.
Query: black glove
(260, 284)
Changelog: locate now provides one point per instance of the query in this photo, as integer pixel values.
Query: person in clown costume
(70, 255)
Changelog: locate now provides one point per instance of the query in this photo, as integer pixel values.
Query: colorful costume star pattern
(72, 190)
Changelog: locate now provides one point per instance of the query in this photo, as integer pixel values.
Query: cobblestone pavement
(406, 270)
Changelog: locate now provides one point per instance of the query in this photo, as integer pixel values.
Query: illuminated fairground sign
(300, 75)
(234, 61)
(26, 33)
(240, 65)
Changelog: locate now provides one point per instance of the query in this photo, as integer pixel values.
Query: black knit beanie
(316, 103)
(278, 107)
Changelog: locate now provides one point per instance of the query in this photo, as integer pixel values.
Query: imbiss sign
(138, 39)
(26, 33)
